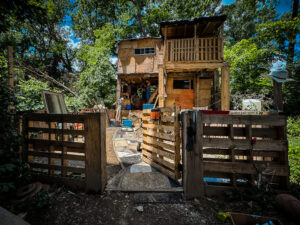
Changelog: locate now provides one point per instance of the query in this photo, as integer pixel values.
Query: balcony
(208, 50)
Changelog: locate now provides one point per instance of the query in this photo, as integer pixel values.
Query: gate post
(192, 151)
(95, 151)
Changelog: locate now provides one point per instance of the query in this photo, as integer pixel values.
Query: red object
(215, 112)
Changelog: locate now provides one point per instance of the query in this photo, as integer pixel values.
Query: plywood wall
(179, 97)
(200, 96)
(129, 63)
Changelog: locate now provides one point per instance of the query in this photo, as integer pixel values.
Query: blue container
(128, 107)
(148, 106)
(127, 123)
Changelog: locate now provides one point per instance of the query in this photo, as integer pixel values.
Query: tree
(248, 62)
(98, 77)
(244, 17)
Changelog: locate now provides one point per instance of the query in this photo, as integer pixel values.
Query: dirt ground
(68, 208)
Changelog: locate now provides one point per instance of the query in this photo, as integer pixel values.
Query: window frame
(144, 51)
(191, 84)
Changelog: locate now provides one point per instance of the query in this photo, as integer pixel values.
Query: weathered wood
(225, 88)
(41, 143)
(146, 139)
(168, 137)
(193, 182)
(161, 152)
(271, 120)
(159, 160)
(278, 95)
(57, 155)
(154, 126)
(244, 168)
(95, 146)
(161, 86)
(260, 145)
(55, 131)
(66, 118)
(159, 167)
(56, 167)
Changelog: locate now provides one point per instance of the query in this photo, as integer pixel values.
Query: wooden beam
(191, 66)
(193, 182)
(118, 90)
(225, 88)
(216, 96)
(278, 102)
(161, 98)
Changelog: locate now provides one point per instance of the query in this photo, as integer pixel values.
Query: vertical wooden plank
(249, 137)
(283, 157)
(95, 166)
(64, 150)
(196, 42)
(278, 95)
(118, 90)
(161, 102)
(216, 90)
(232, 153)
(25, 135)
(177, 142)
(225, 88)
(193, 182)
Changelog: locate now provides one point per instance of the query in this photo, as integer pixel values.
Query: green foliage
(245, 16)
(279, 32)
(29, 94)
(294, 159)
(293, 130)
(98, 78)
(293, 126)
(248, 63)
(12, 170)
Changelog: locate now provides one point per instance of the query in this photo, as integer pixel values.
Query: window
(183, 84)
(144, 51)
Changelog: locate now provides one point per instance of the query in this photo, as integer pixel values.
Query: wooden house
(182, 65)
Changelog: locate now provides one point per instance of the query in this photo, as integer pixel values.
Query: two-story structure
(183, 64)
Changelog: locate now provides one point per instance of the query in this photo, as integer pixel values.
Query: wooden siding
(128, 63)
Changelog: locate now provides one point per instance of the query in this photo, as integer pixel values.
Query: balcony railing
(199, 49)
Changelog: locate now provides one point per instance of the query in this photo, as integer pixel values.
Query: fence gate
(161, 141)
(222, 152)
(66, 148)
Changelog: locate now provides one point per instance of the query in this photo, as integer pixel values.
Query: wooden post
(177, 141)
(278, 96)
(95, 152)
(193, 183)
(118, 96)
(225, 88)
(196, 42)
(216, 91)
(161, 84)
(283, 156)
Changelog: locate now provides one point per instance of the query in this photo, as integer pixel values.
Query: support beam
(278, 102)
(161, 93)
(118, 90)
(225, 88)
(216, 95)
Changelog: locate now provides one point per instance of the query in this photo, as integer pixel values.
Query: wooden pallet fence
(161, 141)
(67, 149)
(229, 151)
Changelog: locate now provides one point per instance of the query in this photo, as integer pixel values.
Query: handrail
(199, 49)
